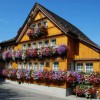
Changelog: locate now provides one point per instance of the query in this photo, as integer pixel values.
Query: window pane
(45, 24)
(46, 43)
(41, 66)
(55, 66)
(39, 24)
(29, 45)
(24, 46)
(39, 44)
(89, 67)
(32, 25)
(53, 42)
(79, 67)
(35, 66)
(34, 45)
(19, 65)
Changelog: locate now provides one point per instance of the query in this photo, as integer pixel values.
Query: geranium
(49, 75)
(27, 74)
(42, 31)
(80, 77)
(5, 55)
(32, 74)
(62, 49)
(39, 75)
(71, 77)
(94, 78)
(32, 53)
(58, 75)
(13, 73)
(85, 90)
(20, 74)
(4, 72)
(18, 54)
(46, 51)
(30, 33)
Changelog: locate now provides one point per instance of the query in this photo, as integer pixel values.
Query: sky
(84, 14)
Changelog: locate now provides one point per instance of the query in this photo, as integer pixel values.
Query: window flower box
(31, 53)
(37, 32)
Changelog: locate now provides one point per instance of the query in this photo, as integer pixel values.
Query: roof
(64, 25)
(69, 27)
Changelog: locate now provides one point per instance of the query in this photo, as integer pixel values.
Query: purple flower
(62, 49)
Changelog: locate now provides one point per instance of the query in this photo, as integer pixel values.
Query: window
(71, 66)
(24, 46)
(53, 42)
(29, 45)
(79, 67)
(29, 65)
(24, 65)
(89, 67)
(45, 24)
(47, 64)
(34, 45)
(41, 66)
(32, 25)
(39, 24)
(46, 43)
(10, 65)
(39, 44)
(19, 65)
(35, 66)
(55, 66)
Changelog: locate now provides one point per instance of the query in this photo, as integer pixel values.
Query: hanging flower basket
(62, 50)
(42, 31)
(30, 33)
(31, 53)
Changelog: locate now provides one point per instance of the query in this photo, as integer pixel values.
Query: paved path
(16, 92)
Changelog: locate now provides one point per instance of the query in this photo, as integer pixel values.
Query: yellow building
(43, 28)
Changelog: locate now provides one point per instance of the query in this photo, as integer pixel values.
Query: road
(14, 92)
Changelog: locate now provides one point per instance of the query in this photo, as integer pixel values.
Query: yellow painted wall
(84, 51)
(39, 16)
(96, 66)
(52, 29)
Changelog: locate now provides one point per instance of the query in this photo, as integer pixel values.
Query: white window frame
(41, 44)
(46, 45)
(34, 46)
(29, 67)
(76, 69)
(24, 65)
(9, 65)
(27, 45)
(35, 66)
(55, 67)
(24, 47)
(41, 65)
(19, 65)
(89, 71)
(45, 25)
(52, 44)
